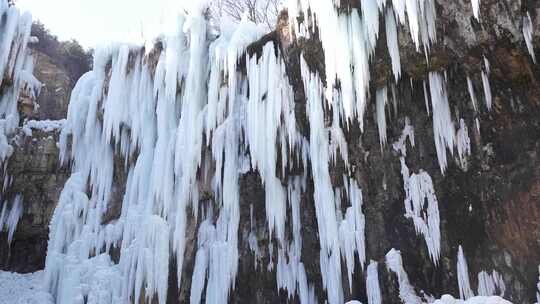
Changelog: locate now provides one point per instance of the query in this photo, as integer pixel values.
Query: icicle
(487, 86)
(399, 9)
(291, 275)
(419, 192)
(528, 34)
(359, 32)
(490, 285)
(270, 99)
(426, 96)
(394, 263)
(487, 90)
(499, 282)
(443, 127)
(486, 286)
(407, 133)
(472, 94)
(465, 291)
(351, 229)
(372, 284)
(487, 65)
(382, 100)
(360, 36)
(14, 216)
(206, 236)
(476, 9)
(370, 16)
(330, 262)
(10, 219)
(392, 43)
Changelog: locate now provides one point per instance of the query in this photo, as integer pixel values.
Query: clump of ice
(528, 34)
(16, 67)
(23, 289)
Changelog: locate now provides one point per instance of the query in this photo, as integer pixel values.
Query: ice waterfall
(187, 118)
(16, 83)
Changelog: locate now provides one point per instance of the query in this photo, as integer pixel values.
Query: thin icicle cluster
(476, 9)
(339, 236)
(157, 122)
(421, 203)
(419, 192)
(358, 32)
(351, 228)
(291, 273)
(528, 34)
(392, 43)
(490, 284)
(382, 100)
(182, 130)
(408, 295)
(472, 94)
(445, 135)
(372, 284)
(465, 291)
(16, 67)
(443, 127)
(394, 263)
(9, 218)
(487, 87)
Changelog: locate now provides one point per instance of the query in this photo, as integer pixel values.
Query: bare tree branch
(259, 11)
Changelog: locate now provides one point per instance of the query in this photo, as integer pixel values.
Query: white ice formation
(182, 130)
(187, 119)
(476, 9)
(465, 291)
(16, 68)
(10, 215)
(372, 284)
(421, 204)
(528, 35)
(490, 284)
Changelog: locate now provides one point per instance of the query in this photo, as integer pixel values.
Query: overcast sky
(92, 22)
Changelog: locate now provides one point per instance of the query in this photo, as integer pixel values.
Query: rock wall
(33, 171)
(490, 207)
(54, 97)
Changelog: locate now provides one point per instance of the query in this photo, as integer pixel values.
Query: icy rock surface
(190, 118)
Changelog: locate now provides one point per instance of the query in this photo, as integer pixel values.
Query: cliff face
(35, 173)
(489, 202)
(54, 97)
(490, 205)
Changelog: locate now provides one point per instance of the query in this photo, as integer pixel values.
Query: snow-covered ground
(23, 289)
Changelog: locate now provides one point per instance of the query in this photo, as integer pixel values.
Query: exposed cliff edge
(487, 200)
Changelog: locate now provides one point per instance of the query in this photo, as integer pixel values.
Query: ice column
(465, 291)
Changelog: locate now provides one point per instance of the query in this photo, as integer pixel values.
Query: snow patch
(23, 289)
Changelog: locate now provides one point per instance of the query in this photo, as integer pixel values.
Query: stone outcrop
(35, 172)
(57, 84)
